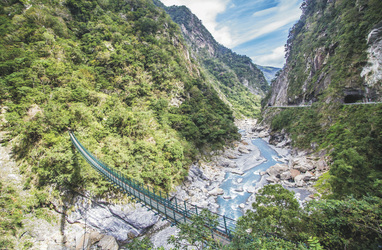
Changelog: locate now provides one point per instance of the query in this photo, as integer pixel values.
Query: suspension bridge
(173, 209)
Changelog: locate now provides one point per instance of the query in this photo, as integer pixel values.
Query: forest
(118, 74)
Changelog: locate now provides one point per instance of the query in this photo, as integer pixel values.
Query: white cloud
(207, 11)
(267, 21)
(248, 26)
(275, 58)
(264, 12)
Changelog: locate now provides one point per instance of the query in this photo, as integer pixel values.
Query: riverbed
(238, 188)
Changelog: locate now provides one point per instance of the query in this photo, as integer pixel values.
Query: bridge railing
(181, 210)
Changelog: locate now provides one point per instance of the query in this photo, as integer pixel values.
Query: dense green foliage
(350, 223)
(352, 135)
(196, 234)
(116, 73)
(238, 80)
(326, 52)
(326, 48)
(199, 236)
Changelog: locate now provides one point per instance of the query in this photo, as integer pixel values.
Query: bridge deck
(174, 209)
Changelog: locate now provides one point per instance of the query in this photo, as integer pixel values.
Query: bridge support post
(185, 211)
(165, 211)
(151, 201)
(225, 224)
(174, 216)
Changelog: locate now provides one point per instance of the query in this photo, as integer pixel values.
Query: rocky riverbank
(297, 171)
(109, 225)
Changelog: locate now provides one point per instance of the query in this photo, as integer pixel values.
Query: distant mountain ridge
(233, 75)
(269, 72)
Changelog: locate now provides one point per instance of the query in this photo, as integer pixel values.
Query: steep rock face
(205, 46)
(372, 72)
(333, 54)
(239, 82)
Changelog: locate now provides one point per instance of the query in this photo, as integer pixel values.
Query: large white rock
(237, 171)
(286, 175)
(299, 180)
(277, 169)
(373, 69)
(216, 192)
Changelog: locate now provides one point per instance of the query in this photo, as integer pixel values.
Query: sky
(256, 28)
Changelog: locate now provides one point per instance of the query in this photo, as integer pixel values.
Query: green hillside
(238, 81)
(115, 72)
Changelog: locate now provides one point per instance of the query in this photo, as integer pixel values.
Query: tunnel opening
(353, 95)
(353, 98)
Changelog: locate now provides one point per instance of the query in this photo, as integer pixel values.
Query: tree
(275, 211)
(197, 233)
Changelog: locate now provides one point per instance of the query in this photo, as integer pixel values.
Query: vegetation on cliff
(238, 80)
(350, 134)
(117, 73)
(326, 53)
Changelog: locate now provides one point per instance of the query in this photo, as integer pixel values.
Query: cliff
(240, 82)
(334, 58)
(333, 55)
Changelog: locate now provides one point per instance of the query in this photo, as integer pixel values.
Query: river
(236, 186)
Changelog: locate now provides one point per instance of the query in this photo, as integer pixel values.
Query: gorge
(149, 91)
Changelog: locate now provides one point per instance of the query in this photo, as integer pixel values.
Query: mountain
(116, 72)
(239, 81)
(334, 57)
(269, 72)
(119, 74)
(332, 54)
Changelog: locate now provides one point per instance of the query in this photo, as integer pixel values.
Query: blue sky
(255, 28)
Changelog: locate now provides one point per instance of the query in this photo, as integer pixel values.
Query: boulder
(277, 169)
(308, 176)
(272, 179)
(231, 156)
(226, 163)
(299, 180)
(216, 192)
(321, 165)
(242, 205)
(243, 150)
(263, 134)
(289, 184)
(286, 175)
(294, 173)
(263, 173)
(300, 168)
(87, 240)
(196, 172)
(237, 171)
(139, 218)
(239, 189)
(108, 243)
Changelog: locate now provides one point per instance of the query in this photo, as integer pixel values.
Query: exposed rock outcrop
(372, 72)
(316, 51)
